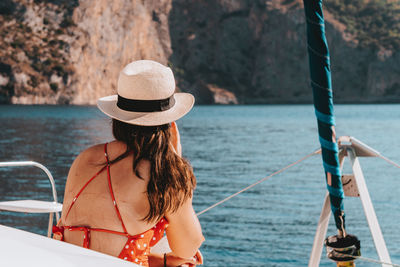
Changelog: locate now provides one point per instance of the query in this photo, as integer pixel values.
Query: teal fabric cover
(321, 84)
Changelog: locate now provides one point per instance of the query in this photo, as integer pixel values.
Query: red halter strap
(80, 191)
(109, 186)
(111, 190)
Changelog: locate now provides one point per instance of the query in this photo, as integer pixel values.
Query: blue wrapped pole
(320, 72)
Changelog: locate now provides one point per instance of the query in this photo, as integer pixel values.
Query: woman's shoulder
(83, 167)
(92, 155)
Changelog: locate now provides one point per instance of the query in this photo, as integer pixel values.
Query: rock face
(34, 52)
(110, 35)
(222, 51)
(257, 50)
(72, 52)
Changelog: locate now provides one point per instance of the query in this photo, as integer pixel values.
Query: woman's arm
(176, 139)
(184, 231)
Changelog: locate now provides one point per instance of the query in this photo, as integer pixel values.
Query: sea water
(230, 147)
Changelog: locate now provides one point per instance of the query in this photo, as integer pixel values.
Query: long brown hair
(171, 177)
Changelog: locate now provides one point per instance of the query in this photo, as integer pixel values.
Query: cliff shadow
(238, 48)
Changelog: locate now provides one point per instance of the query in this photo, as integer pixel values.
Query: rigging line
(259, 181)
(376, 261)
(389, 161)
(366, 259)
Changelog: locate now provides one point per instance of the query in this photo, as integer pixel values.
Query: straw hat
(145, 96)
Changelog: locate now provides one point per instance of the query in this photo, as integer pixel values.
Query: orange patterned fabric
(137, 247)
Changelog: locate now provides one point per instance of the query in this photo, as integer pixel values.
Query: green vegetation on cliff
(374, 23)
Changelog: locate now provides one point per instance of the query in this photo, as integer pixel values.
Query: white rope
(279, 171)
(367, 259)
(376, 261)
(258, 182)
(389, 161)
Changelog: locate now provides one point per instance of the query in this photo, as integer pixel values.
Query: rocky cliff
(222, 51)
(59, 52)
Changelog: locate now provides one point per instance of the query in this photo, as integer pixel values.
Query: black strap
(145, 105)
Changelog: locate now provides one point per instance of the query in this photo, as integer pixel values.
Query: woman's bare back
(94, 207)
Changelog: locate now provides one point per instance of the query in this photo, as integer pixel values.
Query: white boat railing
(34, 206)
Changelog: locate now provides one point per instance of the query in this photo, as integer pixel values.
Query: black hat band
(145, 105)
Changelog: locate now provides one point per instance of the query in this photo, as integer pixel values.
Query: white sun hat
(146, 96)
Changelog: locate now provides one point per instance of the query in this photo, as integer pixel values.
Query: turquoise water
(230, 147)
